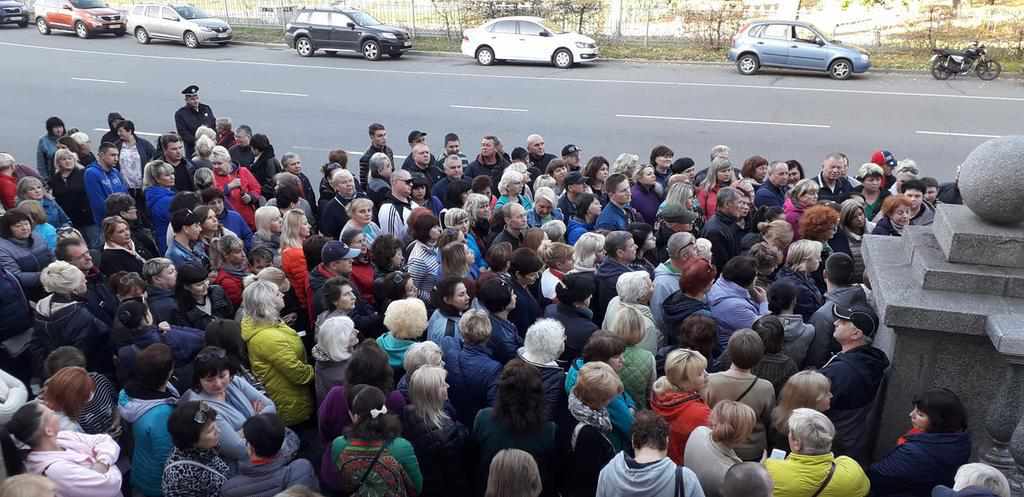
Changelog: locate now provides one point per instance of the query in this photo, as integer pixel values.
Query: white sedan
(526, 38)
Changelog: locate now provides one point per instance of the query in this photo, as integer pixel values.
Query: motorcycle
(946, 63)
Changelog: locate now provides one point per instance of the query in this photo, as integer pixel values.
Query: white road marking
(526, 78)
(94, 80)
(281, 93)
(142, 133)
(474, 107)
(966, 135)
(726, 121)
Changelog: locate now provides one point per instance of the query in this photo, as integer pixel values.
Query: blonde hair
(290, 237)
(62, 153)
(597, 384)
(475, 326)
(80, 137)
(624, 164)
(546, 194)
(586, 249)
(630, 325)
(258, 302)
(265, 216)
(680, 193)
(28, 485)
(358, 203)
(61, 277)
(778, 229)
(803, 389)
(510, 176)
(272, 274)
(422, 354)
(426, 393)
(731, 422)
(513, 473)
(204, 144)
(801, 187)
(474, 201)
(28, 182)
(718, 165)
(802, 252)
(544, 181)
(406, 318)
(153, 170)
(555, 252)
(205, 131)
(220, 153)
(682, 367)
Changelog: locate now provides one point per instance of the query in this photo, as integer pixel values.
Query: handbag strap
(828, 479)
(374, 463)
(749, 388)
(680, 482)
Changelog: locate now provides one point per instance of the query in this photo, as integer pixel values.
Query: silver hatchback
(794, 45)
(182, 23)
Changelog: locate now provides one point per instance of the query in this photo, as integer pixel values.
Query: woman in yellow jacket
(276, 353)
(811, 470)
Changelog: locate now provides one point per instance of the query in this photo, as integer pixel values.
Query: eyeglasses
(203, 414)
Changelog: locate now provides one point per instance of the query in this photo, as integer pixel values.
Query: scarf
(236, 271)
(586, 415)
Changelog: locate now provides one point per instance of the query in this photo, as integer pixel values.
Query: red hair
(68, 390)
(696, 275)
(892, 202)
(817, 222)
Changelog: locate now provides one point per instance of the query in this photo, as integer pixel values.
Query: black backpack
(14, 307)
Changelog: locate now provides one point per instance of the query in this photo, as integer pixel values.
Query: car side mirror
(66, 7)
(545, 33)
(820, 42)
(351, 25)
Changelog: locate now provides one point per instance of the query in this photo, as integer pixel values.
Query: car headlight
(389, 36)
(580, 44)
(206, 29)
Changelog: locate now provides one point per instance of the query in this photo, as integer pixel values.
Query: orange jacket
(293, 263)
(684, 411)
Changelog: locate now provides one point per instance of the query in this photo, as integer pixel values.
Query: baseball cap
(675, 213)
(190, 90)
(420, 179)
(416, 135)
(574, 178)
(681, 165)
(571, 149)
(335, 250)
(884, 158)
(862, 316)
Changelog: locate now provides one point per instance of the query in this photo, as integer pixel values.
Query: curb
(635, 61)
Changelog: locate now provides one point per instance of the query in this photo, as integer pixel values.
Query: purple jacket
(646, 202)
(334, 418)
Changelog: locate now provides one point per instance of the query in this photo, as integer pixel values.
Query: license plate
(114, 26)
(222, 35)
(408, 43)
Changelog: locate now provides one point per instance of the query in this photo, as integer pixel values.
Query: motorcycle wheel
(939, 70)
(989, 70)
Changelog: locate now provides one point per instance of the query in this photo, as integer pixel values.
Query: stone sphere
(992, 180)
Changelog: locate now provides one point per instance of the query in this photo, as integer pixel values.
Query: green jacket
(638, 374)
(402, 451)
(279, 361)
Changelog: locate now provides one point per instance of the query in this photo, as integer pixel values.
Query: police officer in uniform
(190, 117)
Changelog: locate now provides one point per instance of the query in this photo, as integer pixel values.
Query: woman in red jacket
(8, 183)
(293, 260)
(678, 397)
(719, 174)
(240, 187)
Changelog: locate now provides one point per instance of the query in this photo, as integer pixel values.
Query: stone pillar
(1004, 427)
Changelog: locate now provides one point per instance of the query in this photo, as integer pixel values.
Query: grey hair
(719, 151)
(265, 216)
(474, 201)
(545, 340)
(813, 430)
(337, 337)
(545, 193)
(455, 216)
(378, 161)
(842, 158)
(519, 167)
(220, 153)
(207, 132)
(510, 176)
(80, 137)
(907, 166)
(544, 181)
(586, 249)
(555, 230)
(153, 267)
(475, 326)
(624, 164)
(204, 144)
(260, 302)
(202, 178)
(981, 475)
(286, 178)
(62, 278)
(153, 170)
(6, 160)
(288, 157)
(421, 354)
(633, 286)
(727, 195)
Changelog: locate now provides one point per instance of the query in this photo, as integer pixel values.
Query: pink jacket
(70, 468)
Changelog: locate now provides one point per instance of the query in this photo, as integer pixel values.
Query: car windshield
(89, 4)
(363, 19)
(190, 12)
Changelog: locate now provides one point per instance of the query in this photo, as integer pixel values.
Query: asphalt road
(312, 105)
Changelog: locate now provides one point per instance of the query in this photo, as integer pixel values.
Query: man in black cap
(416, 137)
(571, 157)
(673, 219)
(855, 374)
(575, 184)
(190, 117)
(535, 148)
(844, 290)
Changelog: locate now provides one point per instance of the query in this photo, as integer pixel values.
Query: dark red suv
(84, 17)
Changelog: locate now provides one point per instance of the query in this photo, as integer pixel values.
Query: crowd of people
(195, 318)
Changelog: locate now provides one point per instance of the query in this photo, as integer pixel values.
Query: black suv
(336, 29)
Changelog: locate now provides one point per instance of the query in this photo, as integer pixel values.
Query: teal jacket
(402, 451)
(148, 415)
(395, 348)
(620, 410)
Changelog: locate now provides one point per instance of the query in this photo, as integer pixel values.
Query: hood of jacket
(669, 405)
(612, 268)
(949, 449)
(665, 270)
(133, 408)
(679, 306)
(847, 296)
(794, 326)
(394, 347)
(632, 478)
(723, 289)
(53, 308)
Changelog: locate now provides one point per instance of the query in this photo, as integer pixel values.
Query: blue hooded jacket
(158, 202)
(733, 309)
(99, 185)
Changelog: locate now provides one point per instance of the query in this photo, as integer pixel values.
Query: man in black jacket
(490, 162)
(722, 230)
(190, 117)
(99, 298)
(621, 253)
(537, 157)
(378, 143)
(174, 154)
(833, 185)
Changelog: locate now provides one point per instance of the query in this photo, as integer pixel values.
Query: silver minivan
(183, 23)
